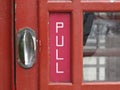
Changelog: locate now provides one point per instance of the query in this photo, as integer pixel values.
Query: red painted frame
(76, 8)
(45, 8)
(6, 45)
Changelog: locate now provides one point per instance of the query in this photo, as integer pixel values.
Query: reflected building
(101, 59)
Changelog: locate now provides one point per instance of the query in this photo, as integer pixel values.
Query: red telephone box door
(58, 27)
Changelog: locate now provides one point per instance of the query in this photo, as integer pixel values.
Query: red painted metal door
(52, 12)
(58, 25)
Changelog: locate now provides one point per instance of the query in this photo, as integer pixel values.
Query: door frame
(76, 8)
(45, 8)
(39, 21)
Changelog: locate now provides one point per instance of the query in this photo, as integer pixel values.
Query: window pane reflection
(101, 61)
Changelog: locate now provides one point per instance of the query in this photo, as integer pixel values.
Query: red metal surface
(6, 46)
(26, 16)
(76, 8)
(60, 47)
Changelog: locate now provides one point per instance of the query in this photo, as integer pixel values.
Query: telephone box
(60, 45)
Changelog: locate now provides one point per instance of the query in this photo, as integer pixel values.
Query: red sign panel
(60, 47)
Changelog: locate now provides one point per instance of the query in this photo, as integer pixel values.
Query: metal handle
(26, 47)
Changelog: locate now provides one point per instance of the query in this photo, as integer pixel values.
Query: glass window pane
(101, 73)
(101, 46)
(88, 76)
(102, 60)
(89, 61)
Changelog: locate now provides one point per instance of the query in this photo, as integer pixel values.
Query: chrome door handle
(26, 43)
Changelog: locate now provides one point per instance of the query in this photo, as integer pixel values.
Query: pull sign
(60, 47)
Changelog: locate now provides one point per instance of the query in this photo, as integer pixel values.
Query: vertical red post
(6, 49)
